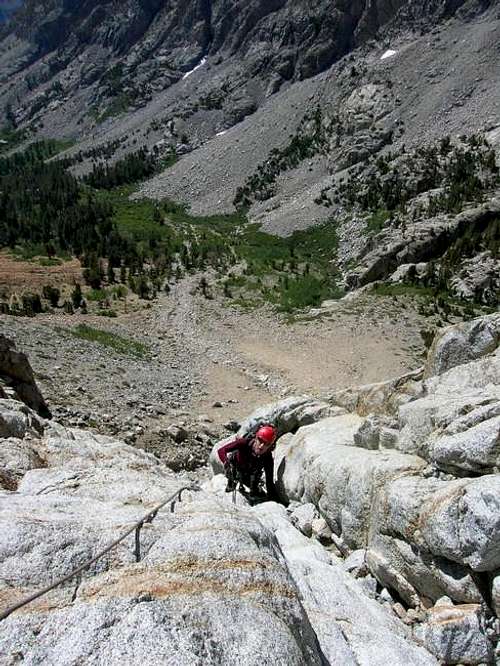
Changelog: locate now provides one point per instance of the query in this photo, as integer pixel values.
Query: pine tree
(76, 296)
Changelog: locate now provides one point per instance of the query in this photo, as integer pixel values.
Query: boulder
(478, 278)
(416, 573)
(355, 564)
(455, 634)
(16, 371)
(476, 449)
(321, 465)
(458, 399)
(321, 531)
(456, 520)
(17, 420)
(351, 628)
(16, 458)
(381, 398)
(287, 416)
(462, 343)
(303, 517)
(178, 433)
(377, 432)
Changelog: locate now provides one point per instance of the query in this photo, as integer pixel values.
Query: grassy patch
(107, 313)
(294, 272)
(377, 220)
(49, 261)
(10, 138)
(124, 346)
(96, 295)
(302, 292)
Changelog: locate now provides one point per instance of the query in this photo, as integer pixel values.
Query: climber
(244, 459)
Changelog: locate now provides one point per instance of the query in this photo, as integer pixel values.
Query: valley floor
(207, 358)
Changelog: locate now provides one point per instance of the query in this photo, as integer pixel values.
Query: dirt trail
(206, 357)
(245, 359)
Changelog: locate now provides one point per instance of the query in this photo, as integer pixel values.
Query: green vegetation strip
(144, 245)
(291, 273)
(124, 346)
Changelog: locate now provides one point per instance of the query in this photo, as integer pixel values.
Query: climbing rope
(148, 518)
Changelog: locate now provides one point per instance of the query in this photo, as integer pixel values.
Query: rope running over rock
(148, 518)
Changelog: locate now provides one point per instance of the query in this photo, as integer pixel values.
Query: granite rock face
(416, 484)
(454, 634)
(457, 345)
(286, 415)
(216, 583)
(134, 50)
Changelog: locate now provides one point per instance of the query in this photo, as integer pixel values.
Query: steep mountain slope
(279, 109)
(444, 82)
(122, 54)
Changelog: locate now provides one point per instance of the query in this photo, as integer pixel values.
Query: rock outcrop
(269, 43)
(17, 378)
(414, 480)
(396, 252)
(457, 345)
(288, 415)
(215, 582)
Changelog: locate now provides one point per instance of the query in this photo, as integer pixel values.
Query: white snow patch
(388, 54)
(3, 141)
(200, 64)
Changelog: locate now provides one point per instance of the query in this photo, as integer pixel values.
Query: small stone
(368, 585)
(401, 613)
(356, 563)
(321, 531)
(177, 433)
(443, 601)
(415, 615)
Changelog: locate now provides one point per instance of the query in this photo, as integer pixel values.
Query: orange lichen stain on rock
(53, 600)
(435, 504)
(452, 614)
(185, 577)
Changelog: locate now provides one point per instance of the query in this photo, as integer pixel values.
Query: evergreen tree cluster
(131, 169)
(103, 152)
(140, 245)
(42, 204)
(459, 173)
(311, 139)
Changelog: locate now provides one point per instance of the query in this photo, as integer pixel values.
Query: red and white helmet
(267, 434)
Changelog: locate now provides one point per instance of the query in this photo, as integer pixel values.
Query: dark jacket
(247, 462)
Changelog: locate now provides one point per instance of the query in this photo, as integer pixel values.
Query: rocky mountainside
(292, 113)
(7, 8)
(139, 48)
(387, 552)
(71, 64)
